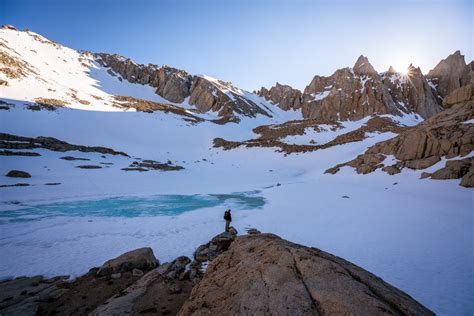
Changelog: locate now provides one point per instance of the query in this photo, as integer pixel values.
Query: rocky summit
(353, 93)
(255, 274)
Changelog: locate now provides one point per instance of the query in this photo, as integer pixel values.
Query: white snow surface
(415, 234)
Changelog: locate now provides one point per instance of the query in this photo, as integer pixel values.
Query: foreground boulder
(22, 296)
(263, 274)
(142, 259)
(161, 291)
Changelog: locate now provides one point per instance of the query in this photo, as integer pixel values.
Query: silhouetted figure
(228, 219)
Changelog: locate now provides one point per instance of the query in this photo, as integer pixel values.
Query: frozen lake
(157, 205)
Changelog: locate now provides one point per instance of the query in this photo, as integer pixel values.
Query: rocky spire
(363, 66)
(448, 73)
(391, 70)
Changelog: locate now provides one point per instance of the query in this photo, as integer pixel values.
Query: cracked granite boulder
(266, 275)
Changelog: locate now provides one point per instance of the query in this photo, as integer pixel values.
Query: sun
(403, 70)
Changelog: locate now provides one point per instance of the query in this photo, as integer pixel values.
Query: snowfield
(415, 234)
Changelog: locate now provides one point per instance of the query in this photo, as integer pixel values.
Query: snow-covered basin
(415, 234)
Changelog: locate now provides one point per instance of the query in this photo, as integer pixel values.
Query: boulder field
(254, 274)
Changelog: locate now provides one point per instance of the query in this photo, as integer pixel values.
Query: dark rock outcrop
(265, 275)
(9, 141)
(18, 174)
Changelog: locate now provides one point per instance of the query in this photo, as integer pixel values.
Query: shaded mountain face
(353, 93)
(450, 74)
(412, 92)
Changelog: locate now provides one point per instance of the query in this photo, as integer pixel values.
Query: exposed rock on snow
(263, 274)
(9, 141)
(142, 258)
(18, 174)
(455, 169)
(70, 158)
(150, 106)
(14, 185)
(89, 167)
(270, 135)
(146, 165)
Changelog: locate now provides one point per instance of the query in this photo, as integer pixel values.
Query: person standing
(228, 219)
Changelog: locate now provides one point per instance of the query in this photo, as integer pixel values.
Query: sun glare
(402, 70)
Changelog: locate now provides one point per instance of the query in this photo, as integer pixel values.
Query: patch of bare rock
(71, 158)
(255, 274)
(89, 167)
(10, 141)
(14, 185)
(146, 165)
(270, 135)
(48, 104)
(18, 174)
(18, 153)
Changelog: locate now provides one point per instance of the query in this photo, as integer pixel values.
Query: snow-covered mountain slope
(36, 69)
(358, 217)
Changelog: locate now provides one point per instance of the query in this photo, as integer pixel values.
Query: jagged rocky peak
(170, 83)
(448, 73)
(363, 66)
(412, 92)
(348, 94)
(175, 85)
(391, 70)
(282, 95)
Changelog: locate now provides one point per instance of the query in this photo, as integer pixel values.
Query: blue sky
(255, 43)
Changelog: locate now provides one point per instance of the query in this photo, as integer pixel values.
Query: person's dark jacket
(227, 216)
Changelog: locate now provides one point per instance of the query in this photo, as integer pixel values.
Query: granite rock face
(413, 92)
(284, 96)
(450, 74)
(448, 134)
(263, 274)
(175, 85)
